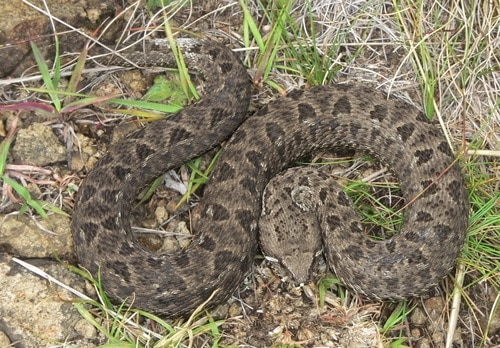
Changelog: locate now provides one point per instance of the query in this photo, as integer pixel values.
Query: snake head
(296, 268)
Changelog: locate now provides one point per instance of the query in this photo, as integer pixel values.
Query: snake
(256, 148)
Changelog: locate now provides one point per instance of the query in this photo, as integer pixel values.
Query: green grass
(444, 49)
(395, 321)
(372, 210)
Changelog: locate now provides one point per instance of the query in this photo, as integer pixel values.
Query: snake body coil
(283, 132)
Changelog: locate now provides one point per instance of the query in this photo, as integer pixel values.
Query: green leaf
(55, 209)
(21, 190)
(163, 89)
(44, 71)
(37, 205)
(76, 74)
(323, 285)
(146, 105)
(4, 152)
(23, 209)
(149, 191)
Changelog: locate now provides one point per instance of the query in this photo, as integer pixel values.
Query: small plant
(64, 101)
(29, 201)
(121, 325)
(395, 324)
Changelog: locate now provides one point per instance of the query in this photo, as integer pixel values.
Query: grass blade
(47, 79)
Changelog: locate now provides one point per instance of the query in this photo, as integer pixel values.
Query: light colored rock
(84, 153)
(4, 340)
(21, 236)
(418, 317)
(38, 146)
(36, 313)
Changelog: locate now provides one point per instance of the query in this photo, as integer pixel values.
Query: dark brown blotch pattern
(91, 230)
(179, 134)
(378, 113)
(120, 172)
(444, 148)
(120, 268)
(455, 189)
(406, 131)
(423, 216)
(424, 156)
(306, 111)
(343, 200)
(341, 106)
(334, 221)
(274, 132)
(143, 151)
(219, 212)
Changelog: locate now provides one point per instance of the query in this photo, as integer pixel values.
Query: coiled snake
(260, 146)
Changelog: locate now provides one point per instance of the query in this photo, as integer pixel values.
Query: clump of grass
(395, 323)
(38, 205)
(120, 324)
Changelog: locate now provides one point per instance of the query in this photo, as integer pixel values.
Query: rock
(84, 153)
(4, 340)
(36, 313)
(423, 343)
(38, 146)
(21, 236)
(418, 317)
(22, 24)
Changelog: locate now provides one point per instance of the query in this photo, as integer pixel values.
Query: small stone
(83, 153)
(220, 311)
(305, 335)
(3, 132)
(418, 317)
(184, 230)
(4, 340)
(136, 81)
(38, 146)
(234, 310)
(170, 244)
(423, 343)
(415, 334)
(434, 307)
(457, 337)
(85, 329)
(438, 337)
(161, 214)
(93, 14)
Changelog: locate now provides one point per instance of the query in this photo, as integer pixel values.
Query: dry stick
(455, 305)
